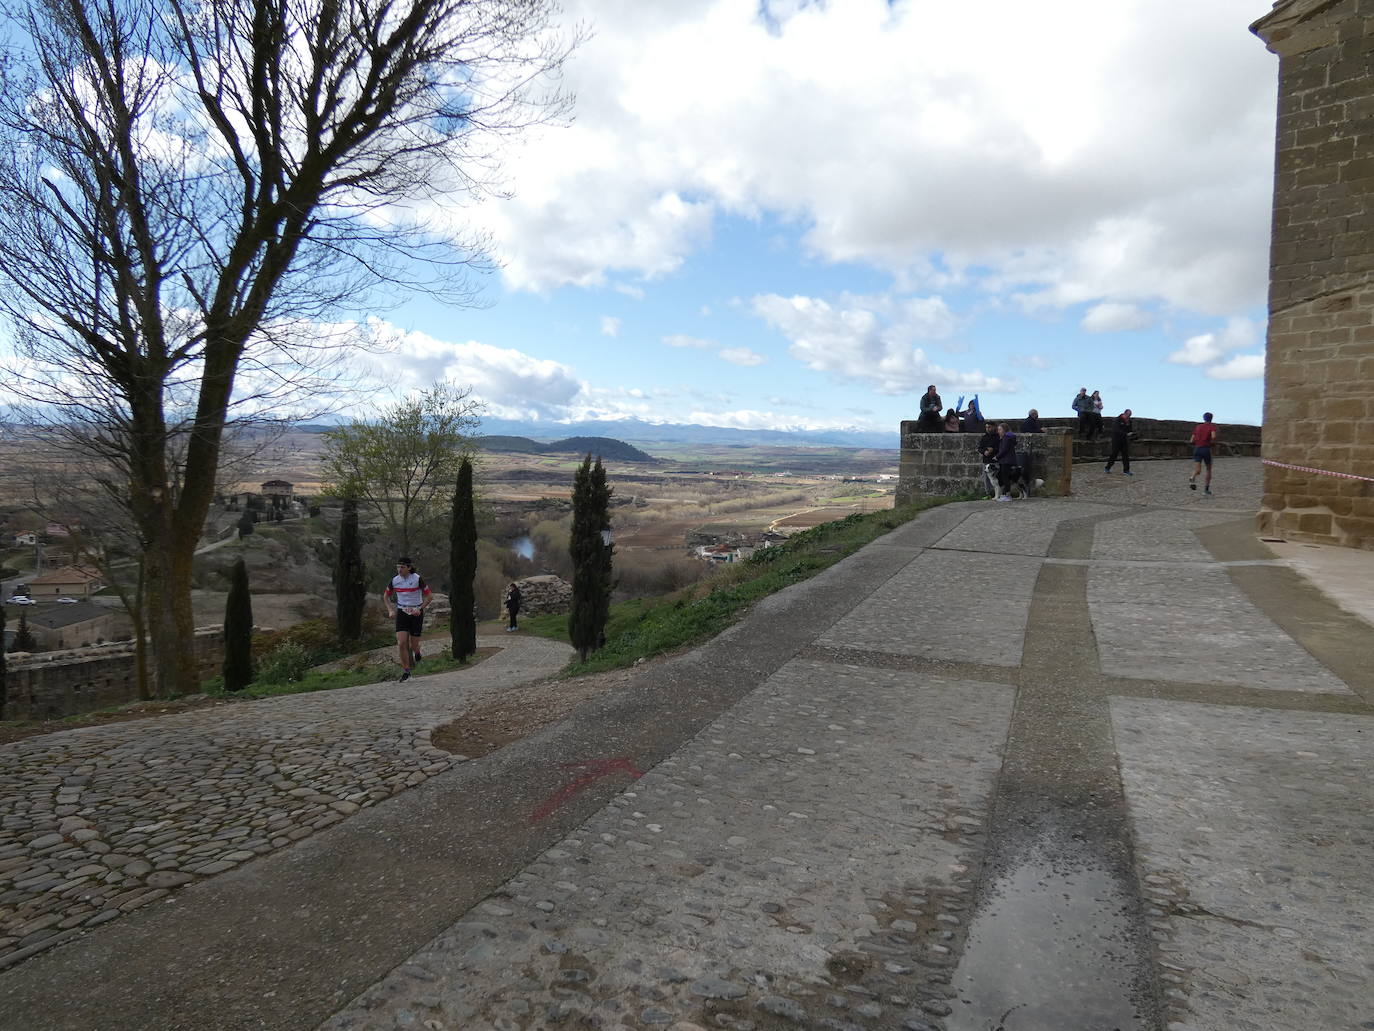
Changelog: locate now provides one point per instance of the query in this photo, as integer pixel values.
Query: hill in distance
(608, 448)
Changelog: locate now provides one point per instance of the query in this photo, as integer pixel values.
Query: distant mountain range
(649, 433)
(603, 447)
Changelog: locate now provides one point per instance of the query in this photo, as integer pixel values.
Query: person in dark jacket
(1006, 460)
(987, 454)
(512, 605)
(932, 412)
(1122, 431)
(1031, 423)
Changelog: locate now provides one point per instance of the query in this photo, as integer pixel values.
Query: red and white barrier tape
(1319, 472)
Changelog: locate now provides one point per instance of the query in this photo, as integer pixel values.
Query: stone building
(1319, 370)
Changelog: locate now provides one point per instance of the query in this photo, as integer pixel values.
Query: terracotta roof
(67, 575)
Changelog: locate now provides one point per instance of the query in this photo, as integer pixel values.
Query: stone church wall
(1319, 371)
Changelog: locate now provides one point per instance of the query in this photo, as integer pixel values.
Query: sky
(796, 214)
(788, 214)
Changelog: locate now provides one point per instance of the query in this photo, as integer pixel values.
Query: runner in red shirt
(1204, 436)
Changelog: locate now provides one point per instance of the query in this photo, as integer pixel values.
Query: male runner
(1204, 436)
(406, 598)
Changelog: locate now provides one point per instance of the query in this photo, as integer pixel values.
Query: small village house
(66, 582)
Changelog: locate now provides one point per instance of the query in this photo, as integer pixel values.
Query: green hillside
(608, 448)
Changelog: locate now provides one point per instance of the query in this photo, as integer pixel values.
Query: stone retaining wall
(51, 685)
(941, 464)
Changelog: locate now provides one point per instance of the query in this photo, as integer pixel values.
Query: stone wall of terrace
(941, 464)
(51, 685)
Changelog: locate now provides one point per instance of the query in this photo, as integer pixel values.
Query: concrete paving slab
(806, 857)
(946, 605)
(1194, 624)
(1254, 833)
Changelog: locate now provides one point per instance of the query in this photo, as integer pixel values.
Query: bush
(287, 663)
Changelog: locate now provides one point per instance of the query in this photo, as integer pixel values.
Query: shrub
(287, 663)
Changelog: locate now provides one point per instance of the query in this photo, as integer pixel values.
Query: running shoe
(405, 675)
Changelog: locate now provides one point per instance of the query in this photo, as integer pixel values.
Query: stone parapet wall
(1319, 367)
(540, 595)
(51, 685)
(943, 464)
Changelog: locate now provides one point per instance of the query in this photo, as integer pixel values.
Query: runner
(1204, 436)
(406, 598)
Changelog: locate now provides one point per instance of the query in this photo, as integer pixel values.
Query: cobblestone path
(847, 847)
(1057, 765)
(100, 821)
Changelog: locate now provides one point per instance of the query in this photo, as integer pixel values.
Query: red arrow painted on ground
(593, 770)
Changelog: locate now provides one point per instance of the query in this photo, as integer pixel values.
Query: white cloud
(630, 291)
(1039, 151)
(1030, 361)
(682, 340)
(741, 356)
(1113, 317)
(1206, 348)
(870, 341)
(1240, 366)
(509, 381)
(610, 326)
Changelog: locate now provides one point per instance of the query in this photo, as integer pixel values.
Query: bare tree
(193, 186)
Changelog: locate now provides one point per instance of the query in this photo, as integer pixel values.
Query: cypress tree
(591, 598)
(238, 631)
(462, 567)
(23, 637)
(601, 506)
(350, 576)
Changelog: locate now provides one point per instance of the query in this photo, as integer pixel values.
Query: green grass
(644, 628)
(440, 663)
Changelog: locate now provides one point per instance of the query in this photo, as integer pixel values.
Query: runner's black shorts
(409, 624)
(1202, 454)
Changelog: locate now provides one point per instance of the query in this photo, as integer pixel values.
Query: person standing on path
(1006, 460)
(1122, 431)
(406, 598)
(512, 605)
(1083, 405)
(1095, 423)
(1204, 436)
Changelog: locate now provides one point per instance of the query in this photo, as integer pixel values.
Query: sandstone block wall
(543, 594)
(51, 685)
(941, 464)
(1319, 369)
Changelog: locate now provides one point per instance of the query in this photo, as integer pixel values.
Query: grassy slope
(643, 628)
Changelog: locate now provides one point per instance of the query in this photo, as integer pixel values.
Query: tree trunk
(171, 627)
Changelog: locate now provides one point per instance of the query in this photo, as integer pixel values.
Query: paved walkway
(1084, 764)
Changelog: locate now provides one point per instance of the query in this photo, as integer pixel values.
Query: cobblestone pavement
(820, 856)
(100, 821)
(1055, 765)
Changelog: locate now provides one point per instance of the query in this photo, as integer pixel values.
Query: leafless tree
(192, 188)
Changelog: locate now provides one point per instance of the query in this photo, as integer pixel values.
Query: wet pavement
(1086, 764)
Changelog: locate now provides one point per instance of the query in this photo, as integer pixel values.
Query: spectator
(1083, 405)
(1095, 423)
(931, 406)
(987, 453)
(951, 421)
(1031, 423)
(971, 418)
(1006, 460)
